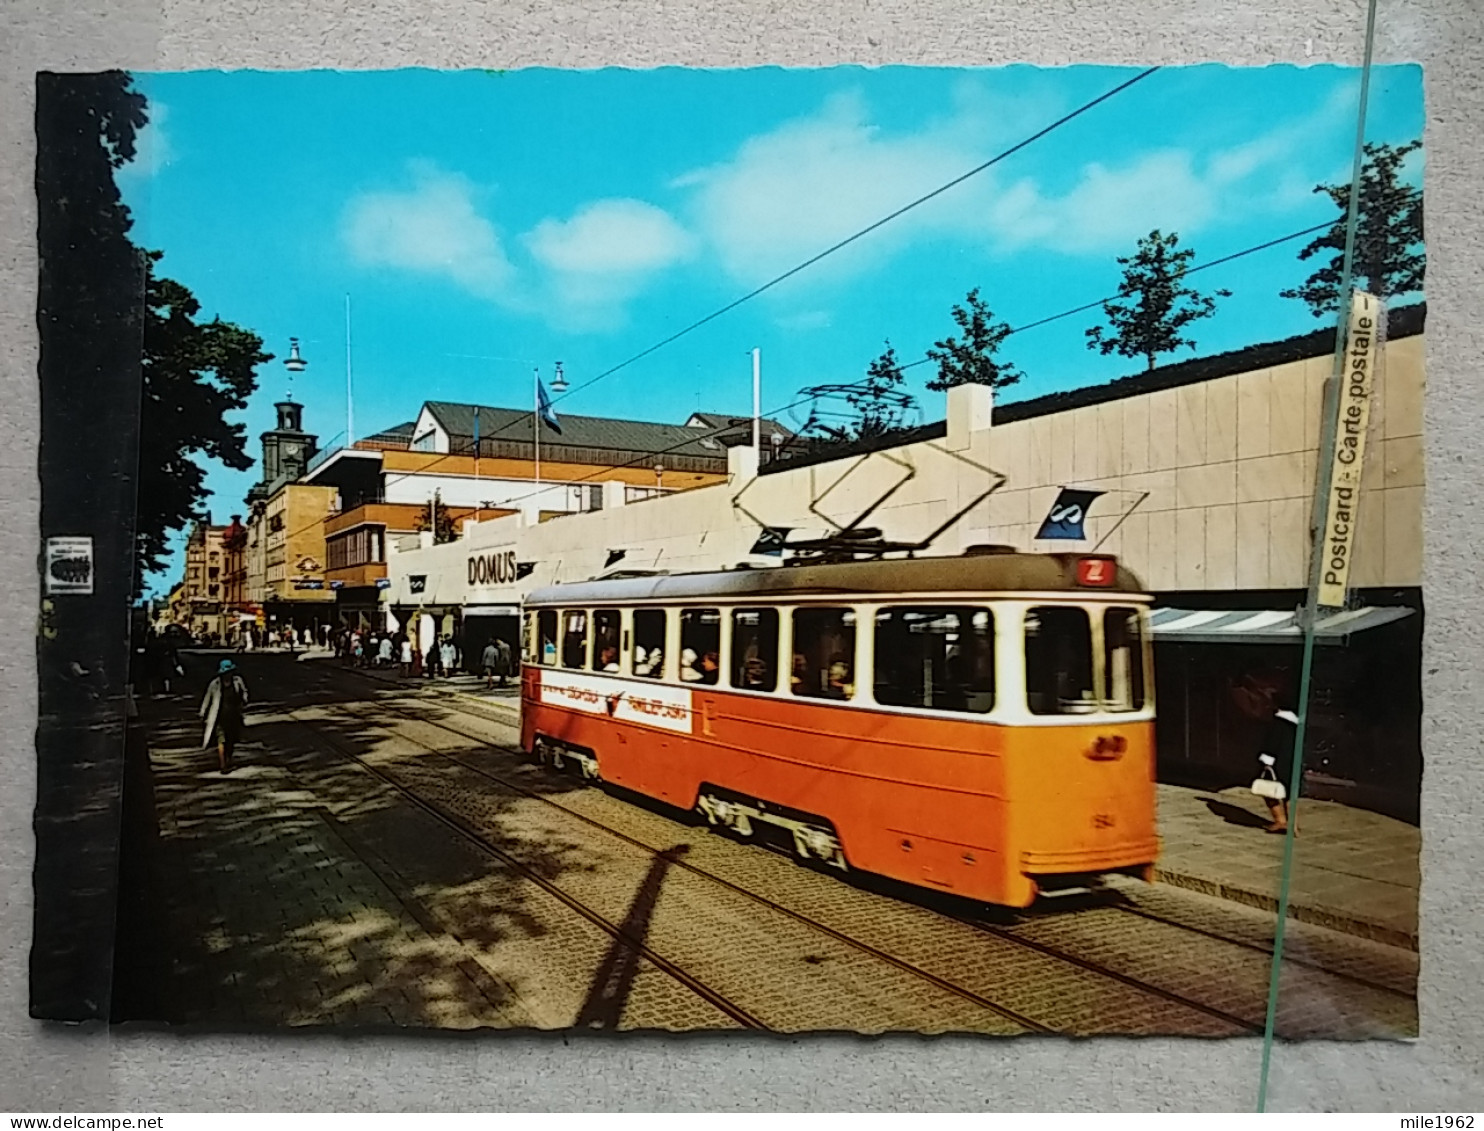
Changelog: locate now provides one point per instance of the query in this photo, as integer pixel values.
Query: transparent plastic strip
(1316, 552)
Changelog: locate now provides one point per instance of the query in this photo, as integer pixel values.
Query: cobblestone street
(383, 855)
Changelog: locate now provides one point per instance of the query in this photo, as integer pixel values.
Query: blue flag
(1064, 519)
(543, 406)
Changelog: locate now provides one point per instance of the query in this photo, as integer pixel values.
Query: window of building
(1058, 662)
(1123, 660)
(547, 630)
(942, 658)
(700, 645)
(275, 522)
(214, 572)
(824, 653)
(605, 640)
(649, 643)
(755, 649)
(574, 638)
(427, 442)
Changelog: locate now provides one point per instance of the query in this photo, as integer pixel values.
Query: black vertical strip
(89, 315)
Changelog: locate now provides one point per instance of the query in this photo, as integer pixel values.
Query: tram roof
(994, 572)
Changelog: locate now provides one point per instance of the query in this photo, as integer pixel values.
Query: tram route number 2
(1096, 571)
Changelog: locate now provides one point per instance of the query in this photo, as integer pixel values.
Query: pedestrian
(1258, 698)
(384, 653)
(489, 660)
(222, 707)
(449, 655)
(406, 657)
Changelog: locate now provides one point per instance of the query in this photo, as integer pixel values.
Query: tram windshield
(546, 621)
(940, 658)
(1058, 662)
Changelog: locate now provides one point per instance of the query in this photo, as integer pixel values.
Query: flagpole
(536, 426)
(757, 405)
(478, 505)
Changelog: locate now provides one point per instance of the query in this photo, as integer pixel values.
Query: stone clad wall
(1228, 464)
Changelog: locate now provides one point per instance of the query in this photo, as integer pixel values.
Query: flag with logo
(770, 542)
(543, 407)
(1065, 518)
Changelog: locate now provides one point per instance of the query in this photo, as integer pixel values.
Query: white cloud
(604, 255)
(432, 228)
(795, 191)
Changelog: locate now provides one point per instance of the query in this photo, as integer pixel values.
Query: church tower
(287, 449)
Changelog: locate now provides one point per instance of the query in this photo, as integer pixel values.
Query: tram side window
(605, 640)
(574, 639)
(941, 658)
(755, 649)
(1123, 660)
(649, 643)
(546, 631)
(824, 654)
(700, 645)
(1058, 662)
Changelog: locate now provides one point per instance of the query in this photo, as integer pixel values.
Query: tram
(980, 724)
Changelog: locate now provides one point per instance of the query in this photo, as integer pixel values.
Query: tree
(1152, 307)
(194, 374)
(443, 530)
(972, 361)
(873, 407)
(1389, 256)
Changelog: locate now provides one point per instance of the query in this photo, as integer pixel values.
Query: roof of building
(400, 434)
(577, 431)
(738, 429)
(1402, 322)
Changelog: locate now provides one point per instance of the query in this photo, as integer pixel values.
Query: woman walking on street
(222, 707)
(1258, 699)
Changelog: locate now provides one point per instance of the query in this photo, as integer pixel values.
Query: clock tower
(287, 449)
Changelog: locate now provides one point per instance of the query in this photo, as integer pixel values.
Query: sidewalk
(1353, 870)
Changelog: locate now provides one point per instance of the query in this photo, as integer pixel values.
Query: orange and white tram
(981, 724)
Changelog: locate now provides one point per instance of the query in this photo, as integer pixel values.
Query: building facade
(1207, 471)
(203, 593)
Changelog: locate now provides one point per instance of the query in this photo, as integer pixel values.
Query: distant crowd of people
(372, 648)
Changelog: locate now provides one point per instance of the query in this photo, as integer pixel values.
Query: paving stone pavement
(1353, 870)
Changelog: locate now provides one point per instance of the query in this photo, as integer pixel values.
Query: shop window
(605, 640)
(755, 649)
(546, 626)
(824, 654)
(1123, 660)
(940, 658)
(1058, 662)
(574, 638)
(700, 645)
(649, 643)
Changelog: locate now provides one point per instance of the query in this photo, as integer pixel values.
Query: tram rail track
(1090, 966)
(472, 836)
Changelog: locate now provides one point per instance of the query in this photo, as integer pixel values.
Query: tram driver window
(700, 645)
(755, 649)
(1123, 660)
(1058, 662)
(941, 658)
(546, 630)
(605, 640)
(824, 654)
(649, 643)
(574, 639)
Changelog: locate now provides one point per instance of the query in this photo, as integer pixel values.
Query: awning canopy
(1221, 626)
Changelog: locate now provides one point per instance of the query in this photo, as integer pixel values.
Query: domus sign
(494, 568)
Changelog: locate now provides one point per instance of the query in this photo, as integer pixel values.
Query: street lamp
(294, 363)
(559, 383)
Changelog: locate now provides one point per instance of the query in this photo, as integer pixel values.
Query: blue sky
(484, 223)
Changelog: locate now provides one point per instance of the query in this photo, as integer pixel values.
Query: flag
(476, 431)
(770, 541)
(614, 557)
(1064, 519)
(524, 569)
(544, 409)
